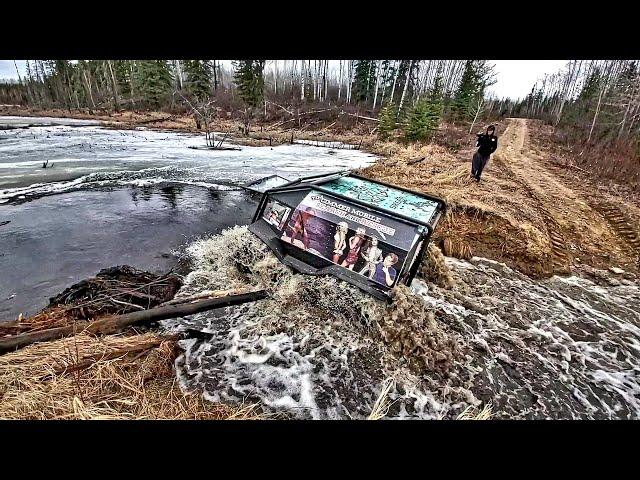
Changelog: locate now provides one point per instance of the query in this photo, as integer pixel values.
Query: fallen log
(361, 116)
(280, 106)
(116, 323)
(207, 295)
(210, 147)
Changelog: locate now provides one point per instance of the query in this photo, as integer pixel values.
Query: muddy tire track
(560, 256)
(620, 223)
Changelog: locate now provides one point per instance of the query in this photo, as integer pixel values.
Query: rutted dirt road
(535, 215)
(579, 217)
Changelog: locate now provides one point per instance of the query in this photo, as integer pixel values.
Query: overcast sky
(514, 77)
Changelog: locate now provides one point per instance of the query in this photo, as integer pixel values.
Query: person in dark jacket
(487, 143)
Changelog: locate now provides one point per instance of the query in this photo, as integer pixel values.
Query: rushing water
(562, 348)
(111, 197)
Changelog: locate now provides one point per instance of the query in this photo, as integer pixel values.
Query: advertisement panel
(356, 238)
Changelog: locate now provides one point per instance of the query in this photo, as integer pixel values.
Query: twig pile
(113, 291)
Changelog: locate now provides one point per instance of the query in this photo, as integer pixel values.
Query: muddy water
(55, 241)
(560, 348)
(111, 197)
(563, 348)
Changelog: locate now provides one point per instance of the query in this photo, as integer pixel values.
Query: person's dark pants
(477, 165)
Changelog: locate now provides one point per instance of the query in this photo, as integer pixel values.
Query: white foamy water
(561, 348)
(558, 348)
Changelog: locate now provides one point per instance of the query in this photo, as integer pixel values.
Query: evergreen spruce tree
(122, 71)
(591, 86)
(249, 79)
(152, 80)
(198, 78)
(386, 120)
(477, 75)
(386, 77)
(423, 120)
(436, 93)
(364, 81)
(465, 92)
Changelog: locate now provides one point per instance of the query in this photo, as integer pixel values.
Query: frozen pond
(89, 156)
(111, 197)
(11, 122)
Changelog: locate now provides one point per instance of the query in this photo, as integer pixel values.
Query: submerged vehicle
(368, 233)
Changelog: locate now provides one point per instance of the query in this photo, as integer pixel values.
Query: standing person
(385, 273)
(373, 256)
(487, 143)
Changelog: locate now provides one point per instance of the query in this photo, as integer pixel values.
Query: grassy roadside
(127, 376)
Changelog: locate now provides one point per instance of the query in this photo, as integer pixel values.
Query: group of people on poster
(377, 267)
(348, 250)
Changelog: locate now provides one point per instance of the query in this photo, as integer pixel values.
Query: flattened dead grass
(112, 377)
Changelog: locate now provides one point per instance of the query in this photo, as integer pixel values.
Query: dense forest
(414, 94)
(592, 107)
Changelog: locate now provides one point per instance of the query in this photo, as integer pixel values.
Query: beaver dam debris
(365, 232)
(97, 297)
(113, 291)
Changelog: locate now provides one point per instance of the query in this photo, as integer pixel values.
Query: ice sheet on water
(267, 183)
(123, 178)
(89, 156)
(14, 121)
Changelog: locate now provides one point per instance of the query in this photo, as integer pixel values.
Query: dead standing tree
(204, 112)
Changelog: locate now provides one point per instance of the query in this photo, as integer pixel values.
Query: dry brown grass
(48, 318)
(113, 377)
(447, 176)
(476, 413)
(382, 403)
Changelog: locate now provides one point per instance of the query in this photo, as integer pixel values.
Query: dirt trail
(580, 221)
(536, 216)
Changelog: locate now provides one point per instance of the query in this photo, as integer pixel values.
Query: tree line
(415, 95)
(594, 107)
